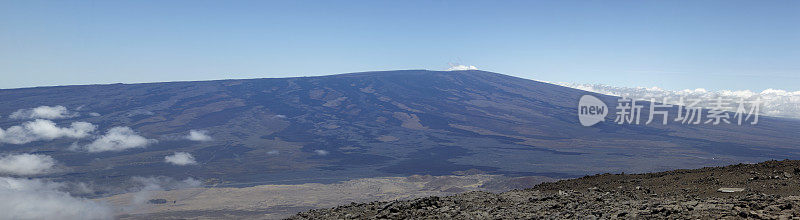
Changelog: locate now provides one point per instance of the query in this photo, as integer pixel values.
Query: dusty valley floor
(281, 201)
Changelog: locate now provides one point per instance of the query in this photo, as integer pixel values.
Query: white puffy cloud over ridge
(43, 112)
(180, 159)
(41, 129)
(26, 164)
(198, 135)
(118, 139)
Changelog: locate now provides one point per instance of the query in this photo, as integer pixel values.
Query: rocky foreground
(769, 190)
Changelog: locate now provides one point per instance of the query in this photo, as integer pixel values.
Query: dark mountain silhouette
(392, 123)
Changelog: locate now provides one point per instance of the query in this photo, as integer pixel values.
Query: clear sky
(670, 44)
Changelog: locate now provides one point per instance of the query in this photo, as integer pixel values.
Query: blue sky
(670, 44)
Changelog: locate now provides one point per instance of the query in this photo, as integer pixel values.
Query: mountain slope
(769, 191)
(393, 123)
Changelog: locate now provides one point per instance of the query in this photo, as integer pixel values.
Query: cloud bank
(198, 135)
(43, 112)
(26, 164)
(776, 103)
(180, 159)
(118, 139)
(41, 129)
(37, 199)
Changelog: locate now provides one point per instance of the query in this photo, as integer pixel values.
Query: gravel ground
(771, 191)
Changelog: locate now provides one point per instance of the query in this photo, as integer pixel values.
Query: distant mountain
(391, 123)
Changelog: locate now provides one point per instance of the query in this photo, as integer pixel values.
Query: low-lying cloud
(38, 199)
(198, 135)
(321, 152)
(26, 164)
(41, 129)
(180, 159)
(144, 187)
(163, 183)
(118, 139)
(775, 102)
(43, 112)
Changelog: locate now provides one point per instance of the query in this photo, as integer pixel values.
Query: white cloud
(43, 112)
(456, 67)
(273, 152)
(118, 139)
(321, 152)
(37, 199)
(41, 129)
(26, 164)
(198, 135)
(775, 102)
(180, 159)
(94, 114)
